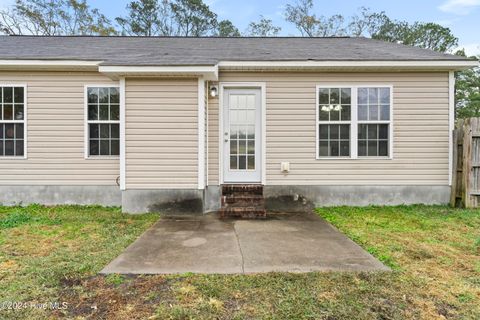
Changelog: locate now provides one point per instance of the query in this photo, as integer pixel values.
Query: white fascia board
(442, 64)
(207, 72)
(49, 64)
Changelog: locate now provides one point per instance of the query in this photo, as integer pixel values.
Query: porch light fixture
(213, 91)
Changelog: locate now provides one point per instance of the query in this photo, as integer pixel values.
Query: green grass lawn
(54, 255)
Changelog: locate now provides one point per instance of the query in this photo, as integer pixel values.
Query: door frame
(263, 107)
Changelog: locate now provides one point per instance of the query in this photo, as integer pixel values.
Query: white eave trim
(414, 65)
(49, 64)
(206, 72)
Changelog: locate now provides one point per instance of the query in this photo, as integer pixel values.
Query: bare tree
(263, 28)
(54, 17)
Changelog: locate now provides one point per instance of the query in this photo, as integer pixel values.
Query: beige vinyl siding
(55, 128)
(420, 120)
(161, 133)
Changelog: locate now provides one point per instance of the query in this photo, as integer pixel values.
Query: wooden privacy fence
(466, 164)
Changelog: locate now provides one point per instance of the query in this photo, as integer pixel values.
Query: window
(373, 122)
(103, 122)
(353, 122)
(12, 121)
(334, 121)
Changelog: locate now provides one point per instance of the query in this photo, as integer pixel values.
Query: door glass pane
(242, 131)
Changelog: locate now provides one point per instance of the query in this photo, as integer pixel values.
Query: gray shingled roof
(209, 51)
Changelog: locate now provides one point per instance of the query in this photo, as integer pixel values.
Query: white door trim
(257, 85)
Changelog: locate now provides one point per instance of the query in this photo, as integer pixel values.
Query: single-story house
(149, 122)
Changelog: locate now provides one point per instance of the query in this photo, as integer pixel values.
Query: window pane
(114, 112)
(362, 96)
(233, 163)
(7, 95)
(345, 132)
(8, 112)
(334, 131)
(104, 147)
(345, 148)
(233, 132)
(334, 148)
(385, 112)
(251, 132)
(372, 148)
(334, 96)
(233, 147)
(323, 113)
(323, 133)
(242, 132)
(242, 147)
(362, 148)
(362, 112)
(115, 149)
(18, 112)
(346, 113)
(103, 115)
(92, 95)
(18, 94)
(323, 96)
(94, 131)
(104, 131)
(242, 162)
(19, 147)
(251, 147)
(346, 96)
(2, 129)
(114, 95)
(93, 112)
(373, 95)
(9, 131)
(251, 162)
(94, 147)
(19, 131)
(373, 112)
(383, 148)
(372, 132)
(323, 148)
(385, 95)
(103, 95)
(115, 131)
(335, 113)
(383, 131)
(1, 148)
(362, 131)
(9, 148)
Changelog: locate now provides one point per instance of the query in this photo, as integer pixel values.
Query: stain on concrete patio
(299, 242)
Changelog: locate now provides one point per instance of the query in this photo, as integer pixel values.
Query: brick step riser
(243, 201)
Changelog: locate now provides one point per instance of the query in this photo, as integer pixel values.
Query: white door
(242, 132)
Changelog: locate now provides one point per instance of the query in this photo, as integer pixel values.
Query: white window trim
(354, 121)
(24, 121)
(86, 121)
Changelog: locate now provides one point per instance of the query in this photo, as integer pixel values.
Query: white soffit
(442, 65)
(59, 65)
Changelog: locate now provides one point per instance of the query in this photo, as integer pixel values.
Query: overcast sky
(462, 16)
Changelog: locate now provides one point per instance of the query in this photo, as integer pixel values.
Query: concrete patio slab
(205, 244)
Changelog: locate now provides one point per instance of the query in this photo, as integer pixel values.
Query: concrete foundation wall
(325, 196)
(167, 201)
(58, 195)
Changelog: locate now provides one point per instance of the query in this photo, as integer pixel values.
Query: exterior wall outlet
(285, 167)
